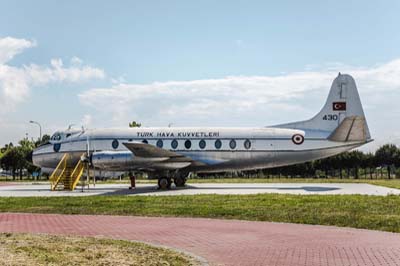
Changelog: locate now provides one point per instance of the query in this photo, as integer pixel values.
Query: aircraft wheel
(179, 181)
(164, 183)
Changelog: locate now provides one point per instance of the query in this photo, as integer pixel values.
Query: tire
(164, 183)
(180, 181)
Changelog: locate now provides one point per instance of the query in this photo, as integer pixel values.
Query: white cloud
(249, 100)
(86, 120)
(16, 82)
(57, 72)
(76, 61)
(202, 98)
(9, 47)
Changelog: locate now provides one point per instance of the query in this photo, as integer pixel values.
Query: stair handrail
(54, 178)
(77, 173)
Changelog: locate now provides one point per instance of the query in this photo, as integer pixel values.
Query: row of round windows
(188, 144)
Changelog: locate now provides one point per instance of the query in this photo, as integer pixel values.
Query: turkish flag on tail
(339, 106)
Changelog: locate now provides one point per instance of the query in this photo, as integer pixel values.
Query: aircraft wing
(172, 160)
(149, 151)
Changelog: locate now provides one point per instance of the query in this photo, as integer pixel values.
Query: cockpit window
(56, 137)
(68, 134)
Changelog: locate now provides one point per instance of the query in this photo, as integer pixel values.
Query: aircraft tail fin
(342, 115)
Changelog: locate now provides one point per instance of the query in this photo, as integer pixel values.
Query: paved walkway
(26, 190)
(7, 184)
(225, 242)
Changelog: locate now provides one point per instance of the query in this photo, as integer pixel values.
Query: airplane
(170, 154)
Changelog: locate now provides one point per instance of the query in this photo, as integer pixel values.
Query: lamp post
(40, 128)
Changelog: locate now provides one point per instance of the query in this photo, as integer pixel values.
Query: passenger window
(188, 144)
(247, 144)
(232, 144)
(160, 143)
(115, 144)
(174, 144)
(218, 144)
(202, 144)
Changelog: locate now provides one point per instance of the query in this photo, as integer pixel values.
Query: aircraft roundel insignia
(298, 139)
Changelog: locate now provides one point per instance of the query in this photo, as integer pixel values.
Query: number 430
(330, 117)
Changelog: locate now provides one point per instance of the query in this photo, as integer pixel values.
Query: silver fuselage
(269, 147)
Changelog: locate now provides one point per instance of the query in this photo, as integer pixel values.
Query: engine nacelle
(112, 159)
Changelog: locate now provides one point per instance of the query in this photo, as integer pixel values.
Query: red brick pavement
(6, 184)
(227, 242)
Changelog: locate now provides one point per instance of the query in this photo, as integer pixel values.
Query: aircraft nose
(35, 158)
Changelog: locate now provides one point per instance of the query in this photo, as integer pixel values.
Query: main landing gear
(165, 182)
(180, 181)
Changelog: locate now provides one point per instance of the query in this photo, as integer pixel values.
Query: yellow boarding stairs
(66, 175)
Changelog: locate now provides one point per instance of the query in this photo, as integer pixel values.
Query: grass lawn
(392, 183)
(369, 212)
(27, 249)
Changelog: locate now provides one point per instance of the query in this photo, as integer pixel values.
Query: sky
(193, 63)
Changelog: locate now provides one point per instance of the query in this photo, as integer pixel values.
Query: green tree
(356, 157)
(347, 163)
(336, 162)
(368, 163)
(386, 156)
(13, 159)
(27, 147)
(135, 124)
(6, 147)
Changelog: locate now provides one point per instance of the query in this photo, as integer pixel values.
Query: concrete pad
(43, 190)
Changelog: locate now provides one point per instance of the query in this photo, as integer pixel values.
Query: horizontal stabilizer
(352, 128)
